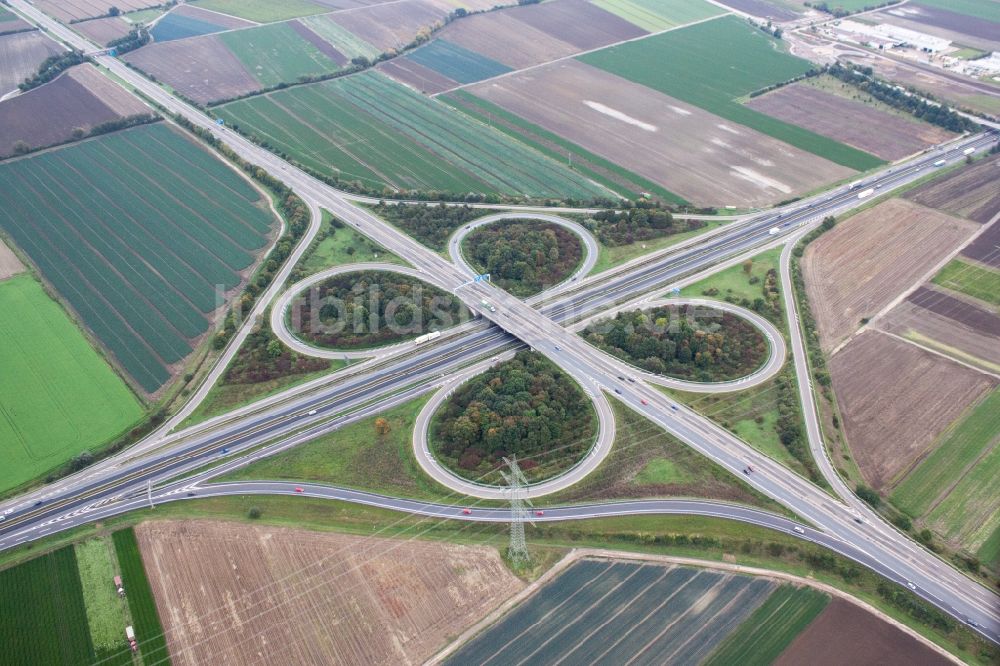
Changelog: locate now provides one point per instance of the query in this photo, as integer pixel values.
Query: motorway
(891, 552)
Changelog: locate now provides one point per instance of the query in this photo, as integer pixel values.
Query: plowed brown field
(849, 121)
(847, 634)
(973, 193)
(20, 55)
(231, 593)
(860, 266)
(976, 346)
(896, 399)
(103, 30)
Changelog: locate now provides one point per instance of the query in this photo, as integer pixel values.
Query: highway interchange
(850, 529)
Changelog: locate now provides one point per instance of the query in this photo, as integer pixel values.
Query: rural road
(934, 580)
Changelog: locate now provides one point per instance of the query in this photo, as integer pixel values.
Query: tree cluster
(263, 357)
(664, 342)
(635, 224)
(136, 38)
(52, 67)
(525, 407)
(373, 308)
(524, 257)
(899, 98)
(431, 225)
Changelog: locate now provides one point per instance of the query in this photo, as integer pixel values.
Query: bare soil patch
(846, 634)
(21, 54)
(75, 10)
(201, 68)
(972, 192)
(984, 248)
(391, 26)
(415, 75)
(10, 265)
(693, 153)
(577, 22)
(48, 115)
(962, 311)
(896, 399)
(848, 121)
(507, 39)
(103, 30)
(861, 265)
(234, 593)
(907, 318)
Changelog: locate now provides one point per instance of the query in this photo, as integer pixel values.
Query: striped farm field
(457, 63)
(371, 130)
(42, 615)
(140, 232)
(772, 627)
(58, 397)
(275, 54)
(714, 78)
(620, 612)
(656, 15)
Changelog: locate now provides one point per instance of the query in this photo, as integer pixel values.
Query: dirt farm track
(230, 593)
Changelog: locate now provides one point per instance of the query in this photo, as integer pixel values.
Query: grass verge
(148, 630)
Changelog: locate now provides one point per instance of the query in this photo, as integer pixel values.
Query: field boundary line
(568, 57)
(937, 353)
(925, 278)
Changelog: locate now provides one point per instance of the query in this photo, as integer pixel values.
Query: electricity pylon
(517, 489)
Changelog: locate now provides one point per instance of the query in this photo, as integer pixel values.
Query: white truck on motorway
(774, 231)
(427, 337)
(969, 150)
(866, 193)
(488, 306)
(939, 163)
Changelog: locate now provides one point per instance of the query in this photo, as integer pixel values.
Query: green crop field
(959, 448)
(369, 129)
(263, 11)
(772, 627)
(276, 54)
(106, 614)
(42, 615)
(656, 15)
(58, 396)
(970, 279)
(148, 630)
(617, 612)
(340, 37)
(457, 63)
(140, 231)
(970, 515)
(714, 78)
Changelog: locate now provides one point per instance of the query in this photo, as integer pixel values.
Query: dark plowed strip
(986, 248)
(326, 48)
(956, 309)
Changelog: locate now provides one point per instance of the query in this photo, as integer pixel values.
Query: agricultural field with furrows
(952, 469)
(103, 30)
(11, 22)
(263, 11)
(971, 279)
(777, 10)
(277, 53)
(657, 15)
(141, 602)
(282, 595)
(141, 232)
(970, 192)
(107, 613)
(59, 397)
(765, 634)
(714, 79)
(43, 619)
(369, 129)
(185, 21)
(75, 10)
(68, 108)
(21, 53)
(620, 612)
(456, 62)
